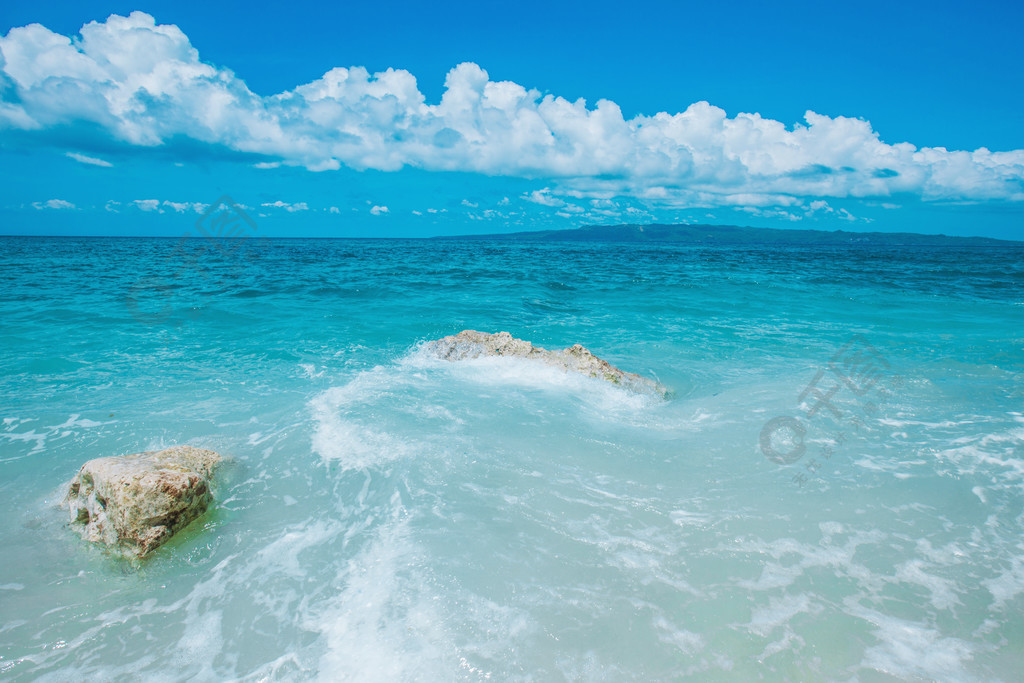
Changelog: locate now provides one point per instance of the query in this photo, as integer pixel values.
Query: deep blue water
(390, 516)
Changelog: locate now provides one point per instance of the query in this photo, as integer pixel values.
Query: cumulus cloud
(290, 208)
(147, 204)
(820, 206)
(797, 210)
(160, 206)
(53, 204)
(544, 198)
(185, 207)
(380, 210)
(143, 84)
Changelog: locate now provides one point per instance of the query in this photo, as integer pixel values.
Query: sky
(400, 119)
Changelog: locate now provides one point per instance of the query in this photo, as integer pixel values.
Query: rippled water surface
(834, 490)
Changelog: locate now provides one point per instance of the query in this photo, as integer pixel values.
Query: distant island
(737, 235)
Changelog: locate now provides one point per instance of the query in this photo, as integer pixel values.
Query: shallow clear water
(388, 516)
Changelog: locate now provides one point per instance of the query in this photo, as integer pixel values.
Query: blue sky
(415, 119)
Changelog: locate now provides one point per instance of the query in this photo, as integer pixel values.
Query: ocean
(833, 490)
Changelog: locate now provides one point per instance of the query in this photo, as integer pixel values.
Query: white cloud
(796, 211)
(379, 210)
(821, 207)
(54, 204)
(183, 207)
(290, 208)
(543, 197)
(159, 206)
(92, 161)
(334, 209)
(145, 84)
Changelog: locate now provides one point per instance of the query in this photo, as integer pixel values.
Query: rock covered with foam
(134, 503)
(472, 344)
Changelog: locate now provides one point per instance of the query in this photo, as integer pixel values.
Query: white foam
(500, 371)
(838, 558)
(416, 405)
(283, 554)
(201, 642)
(687, 642)
(347, 439)
(685, 518)
(910, 650)
(32, 436)
(829, 529)
(996, 454)
(383, 624)
(75, 421)
(949, 554)
(779, 612)
(789, 642)
(1008, 585)
(944, 424)
(943, 591)
(309, 371)
(39, 439)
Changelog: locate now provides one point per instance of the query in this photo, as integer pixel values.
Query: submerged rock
(473, 344)
(134, 503)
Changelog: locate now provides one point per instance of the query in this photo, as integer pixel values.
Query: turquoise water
(389, 516)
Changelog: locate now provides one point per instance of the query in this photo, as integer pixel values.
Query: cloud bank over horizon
(143, 85)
